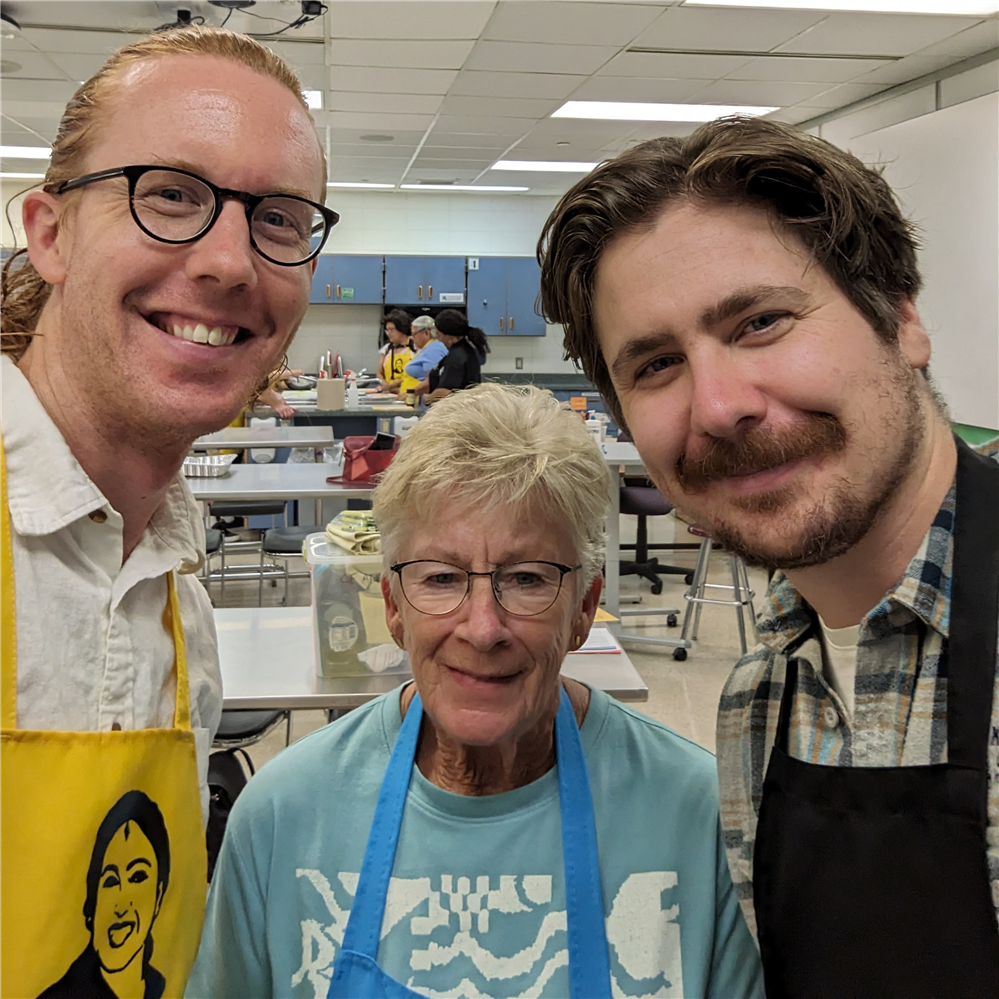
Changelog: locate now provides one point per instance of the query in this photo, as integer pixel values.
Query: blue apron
(356, 974)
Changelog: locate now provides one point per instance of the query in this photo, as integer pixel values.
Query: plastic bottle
(352, 398)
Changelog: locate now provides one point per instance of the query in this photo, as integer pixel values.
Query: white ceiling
(458, 84)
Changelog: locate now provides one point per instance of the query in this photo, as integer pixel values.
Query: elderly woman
(429, 353)
(492, 828)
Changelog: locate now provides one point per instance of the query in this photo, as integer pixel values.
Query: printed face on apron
(103, 868)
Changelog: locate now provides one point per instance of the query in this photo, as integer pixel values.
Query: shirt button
(831, 717)
(98, 516)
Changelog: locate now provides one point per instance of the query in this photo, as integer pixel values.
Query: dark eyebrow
(639, 347)
(748, 298)
(138, 860)
(109, 867)
(196, 169)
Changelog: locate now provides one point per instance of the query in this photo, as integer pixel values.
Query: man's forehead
(202, 112)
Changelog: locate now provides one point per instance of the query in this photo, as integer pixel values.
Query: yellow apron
(103, 867)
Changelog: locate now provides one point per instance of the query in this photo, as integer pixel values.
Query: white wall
(944, 166)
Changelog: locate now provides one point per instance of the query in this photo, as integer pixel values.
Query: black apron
(872, 882)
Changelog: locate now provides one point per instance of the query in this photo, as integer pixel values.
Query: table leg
(612, 567)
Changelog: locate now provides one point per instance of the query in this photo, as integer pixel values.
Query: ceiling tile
(461, 140)
(553, 86)
(100, 43)
(888, 34)
(905, 70)
(528, 57)
(395, 54)
(569, 23)
(377, 122)
(845, 93)
(501, 107)
(757, 92)
(488, 126)
(663, 66)
(34, 66)
(725, 28)
(369, 79)
(78, 67)
(580, 134)
(300, 53)
(978, 38)
(384, 103)
(25, 110)
(800, 70)
(632, 88)
(352, 136)
(409, 19)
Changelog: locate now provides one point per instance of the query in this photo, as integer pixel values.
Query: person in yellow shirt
(392, 366)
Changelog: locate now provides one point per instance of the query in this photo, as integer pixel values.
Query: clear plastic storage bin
(351, 636)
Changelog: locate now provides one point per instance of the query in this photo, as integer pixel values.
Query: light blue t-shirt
(476, 905)
(426, 360)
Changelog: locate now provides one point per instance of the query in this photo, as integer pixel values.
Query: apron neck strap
(974, 596)
(173, 622)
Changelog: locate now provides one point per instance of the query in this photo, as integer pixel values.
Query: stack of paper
(599, 640)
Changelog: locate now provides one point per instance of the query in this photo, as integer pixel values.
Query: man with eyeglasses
(169, 262)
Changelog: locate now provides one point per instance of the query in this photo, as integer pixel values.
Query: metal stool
(284, 543)
(230, 546)
(742, 595)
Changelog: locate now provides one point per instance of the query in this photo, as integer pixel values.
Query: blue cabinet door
(523, 282)
(405, 281)
(444, 276)
(357, 279)
(487, 296)
(322, 280)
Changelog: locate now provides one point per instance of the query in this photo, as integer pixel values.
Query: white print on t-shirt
(644, 935)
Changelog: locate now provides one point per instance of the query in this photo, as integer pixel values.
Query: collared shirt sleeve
(426, 360)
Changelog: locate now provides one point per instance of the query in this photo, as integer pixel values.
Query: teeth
(215, 336)
(200, 333)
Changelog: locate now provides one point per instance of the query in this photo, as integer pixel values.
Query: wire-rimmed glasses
(524, 589)
(176, 206)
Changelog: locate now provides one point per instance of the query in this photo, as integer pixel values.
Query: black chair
(284, 543)
(641, 499)
(232, 546)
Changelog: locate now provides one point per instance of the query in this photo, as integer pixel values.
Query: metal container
(207, 466)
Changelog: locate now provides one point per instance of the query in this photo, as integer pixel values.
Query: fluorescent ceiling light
(314, 99)
(622, 111)
(26, 152)
(543, 166)
(461, 187)
(980, 7)
(358, 183)
(22, 176)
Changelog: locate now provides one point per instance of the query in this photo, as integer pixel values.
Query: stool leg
(749, 601)
(286, 577)
(702, 588)
(222, 573)
(260, 583)
(692, 592)
(740, 608)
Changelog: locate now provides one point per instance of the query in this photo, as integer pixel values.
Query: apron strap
(589, 963)
(8, 610)
(368, 909)
(786, 701)
(971, 646)
(173, 622)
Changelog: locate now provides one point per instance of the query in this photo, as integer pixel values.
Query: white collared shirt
(92, 651)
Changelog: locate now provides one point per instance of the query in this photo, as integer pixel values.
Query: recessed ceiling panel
(569, 23)
(525, 57)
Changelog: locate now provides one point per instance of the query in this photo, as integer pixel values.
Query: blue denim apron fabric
(356, 974)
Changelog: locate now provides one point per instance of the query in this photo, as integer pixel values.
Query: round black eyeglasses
(524, 589)
(177, 206)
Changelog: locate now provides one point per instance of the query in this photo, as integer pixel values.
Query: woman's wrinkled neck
(482, 770)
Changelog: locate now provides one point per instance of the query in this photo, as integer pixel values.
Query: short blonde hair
(495, 447)
(24, 293)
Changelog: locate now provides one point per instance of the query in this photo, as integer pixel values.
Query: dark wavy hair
(840, 211)
(400, 319)
(451, 322)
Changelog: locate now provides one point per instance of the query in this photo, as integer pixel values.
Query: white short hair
(498, 447)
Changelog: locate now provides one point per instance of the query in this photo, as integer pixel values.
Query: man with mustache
(744, 300)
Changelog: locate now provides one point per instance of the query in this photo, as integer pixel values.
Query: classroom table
(268, 662)
(241, 437)
(278, 481)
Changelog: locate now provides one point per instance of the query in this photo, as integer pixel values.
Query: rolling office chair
(641, 499)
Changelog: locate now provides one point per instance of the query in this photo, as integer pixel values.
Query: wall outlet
(519, 363)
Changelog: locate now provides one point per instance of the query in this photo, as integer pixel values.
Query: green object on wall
(346, 293)
(973, 435)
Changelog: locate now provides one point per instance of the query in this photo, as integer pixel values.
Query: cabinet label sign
(454, 297)
(346, 293)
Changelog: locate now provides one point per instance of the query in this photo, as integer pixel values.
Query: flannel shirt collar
(923, 590)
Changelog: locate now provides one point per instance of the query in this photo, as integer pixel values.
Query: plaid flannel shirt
(900, 715)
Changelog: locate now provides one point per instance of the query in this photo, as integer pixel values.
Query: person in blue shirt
(492, 828)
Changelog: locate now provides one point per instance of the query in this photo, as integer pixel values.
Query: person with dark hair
(744, 298)
(398, 352)
(467, 347)
(126, 881)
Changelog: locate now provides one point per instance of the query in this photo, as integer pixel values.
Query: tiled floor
(683, 695)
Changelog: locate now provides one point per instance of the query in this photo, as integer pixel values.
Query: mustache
(761, 450)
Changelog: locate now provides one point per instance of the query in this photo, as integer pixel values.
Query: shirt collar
(47, 488)
(924, 590)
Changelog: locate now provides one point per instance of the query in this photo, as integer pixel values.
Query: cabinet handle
(419, 292)
(338, 291)
(510, 324)
(327, 291)
(501, 324)
(430, 292)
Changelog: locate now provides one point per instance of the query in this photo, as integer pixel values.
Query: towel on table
(355, 532)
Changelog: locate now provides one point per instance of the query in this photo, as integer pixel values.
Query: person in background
(429, 353)
(492, 828)
(744, 300)
(466, 353)
(164, 261)
(398, 353)
(271, 396)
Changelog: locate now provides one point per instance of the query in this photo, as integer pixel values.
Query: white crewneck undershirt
(839, 647)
